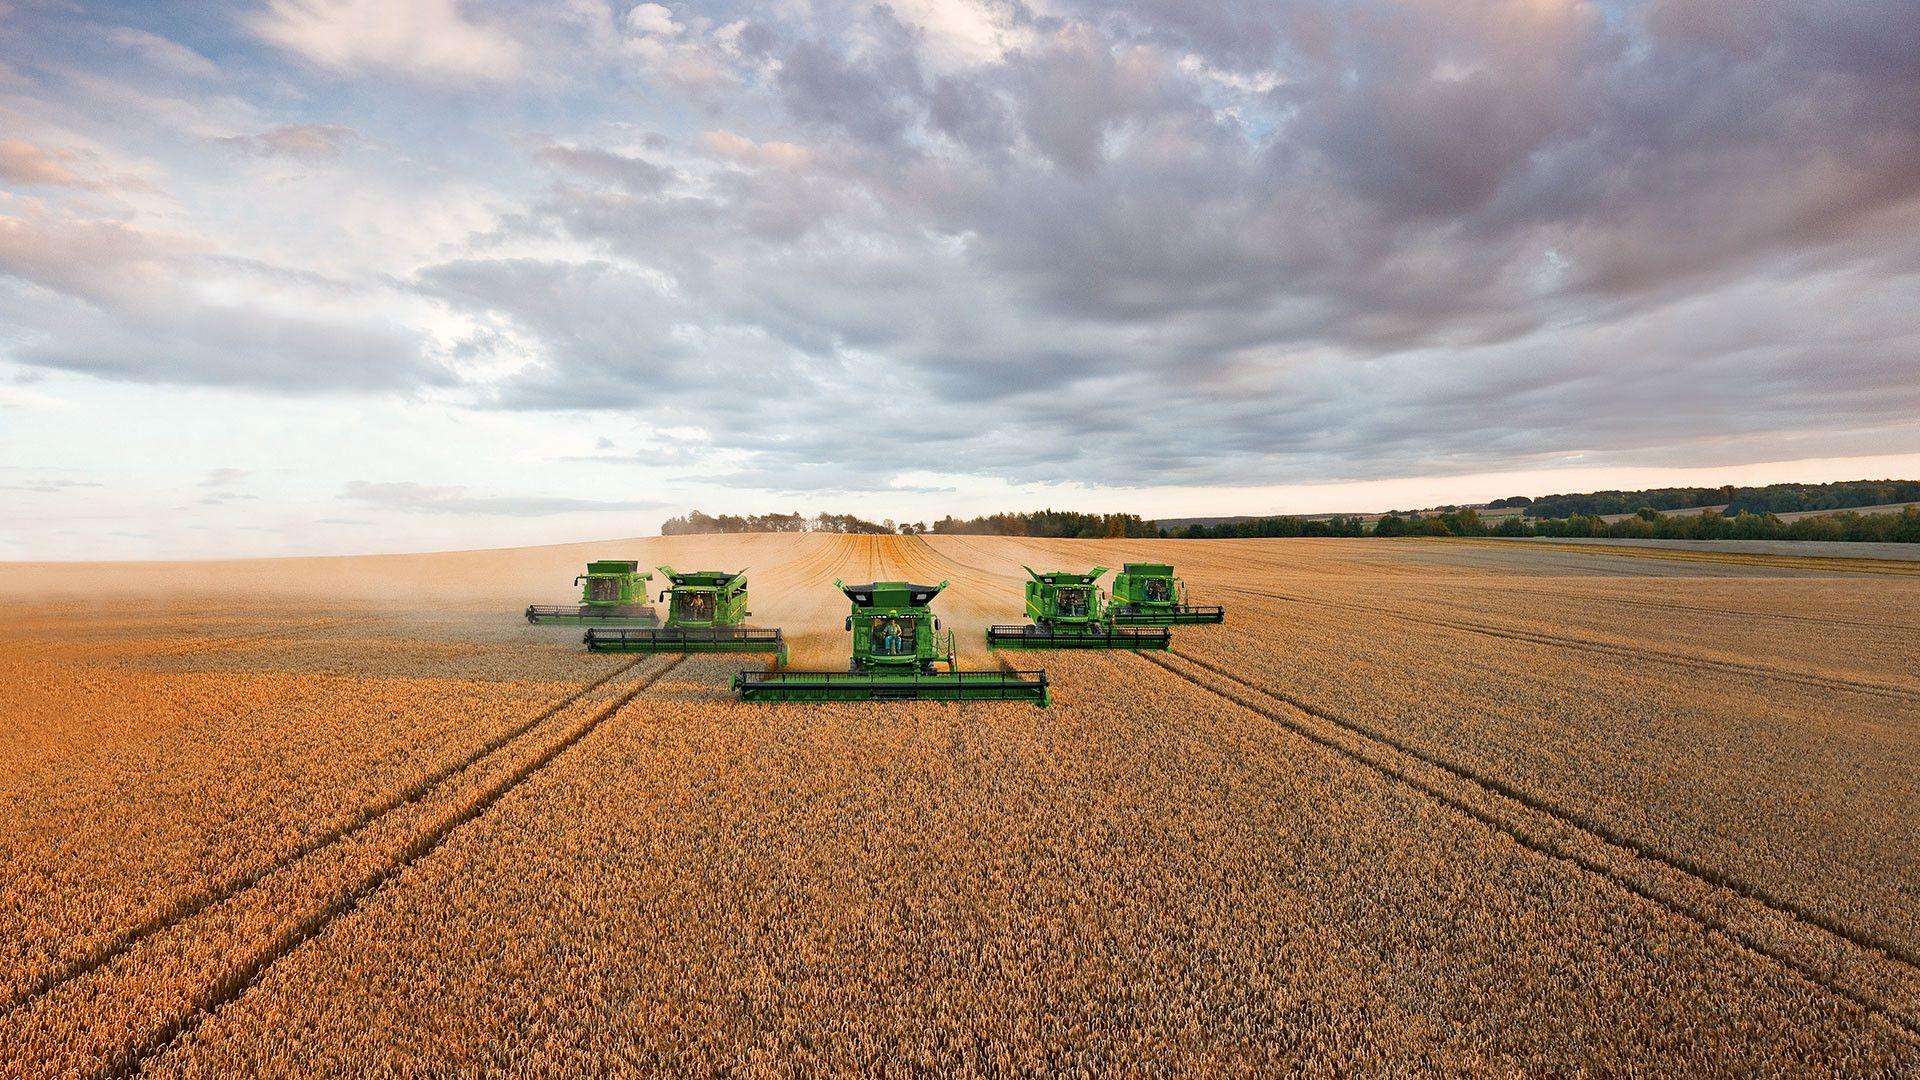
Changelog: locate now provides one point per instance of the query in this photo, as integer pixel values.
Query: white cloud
(163, 52)
(453, 499)
(23, 163)
(652, 19)
(424, 38)
(962, 33)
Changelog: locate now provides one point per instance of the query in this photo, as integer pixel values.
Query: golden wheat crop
(1416, 808)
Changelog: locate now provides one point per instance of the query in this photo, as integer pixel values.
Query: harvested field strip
(1873, 975)
(1734, 558)
(1632, 652)
(1731, 613)
(118, 1017)
(193, 905)
(241, 640)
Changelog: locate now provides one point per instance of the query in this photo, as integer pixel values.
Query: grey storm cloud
(1155, 241)
(437, 499)
(1465, 234)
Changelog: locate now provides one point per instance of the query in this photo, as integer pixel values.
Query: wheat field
(1420, 807)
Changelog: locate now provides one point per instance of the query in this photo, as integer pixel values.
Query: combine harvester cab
(1069, 612)
(1147, 594)
(613, 592)
(898, 652)
(704, 613)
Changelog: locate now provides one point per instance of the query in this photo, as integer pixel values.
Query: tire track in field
(945, 565)
(238, 640)
(1632, 652)
(1878, 976)
(132, 1060)
(195, 904)
(1740, 613)
(1832, 564)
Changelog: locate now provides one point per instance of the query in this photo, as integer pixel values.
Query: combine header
(898, 650)
(614, 594)
(1069, 612)
(1147, 594)
(703, 616)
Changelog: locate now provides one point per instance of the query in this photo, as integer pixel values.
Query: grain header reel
(1147, 594)
(1069, 612)
(705, 610)
(899, 652)
(613, 592)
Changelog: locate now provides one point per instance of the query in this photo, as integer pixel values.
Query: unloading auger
(898, 652)
(705, 609)
(613, 592)
(1147, 594)
(1069, 612)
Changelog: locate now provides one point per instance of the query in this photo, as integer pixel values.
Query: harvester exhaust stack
(1069, 612)
(899, 651)
(613, 592)
(1147, 594)
(705, 610)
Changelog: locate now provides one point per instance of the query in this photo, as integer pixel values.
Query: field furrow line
(1875, 975)
(238, 640)
(117, 1021)
(1832, 564)
(1805, 678)
(244, 976)
(1732, 613)
(1632, 652)
(193, 905)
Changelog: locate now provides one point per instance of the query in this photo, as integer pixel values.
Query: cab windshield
(1157, 589)
(1073, 602)
(892, 636)
(603, 588)
(695, 606)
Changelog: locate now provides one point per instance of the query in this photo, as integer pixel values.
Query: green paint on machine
(1070, 612)
(705, 613)
(1147, 594)
(900, 653)
(613, 592)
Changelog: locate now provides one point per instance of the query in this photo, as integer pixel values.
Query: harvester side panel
(1101, 637)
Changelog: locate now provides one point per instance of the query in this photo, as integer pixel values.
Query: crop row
(140, 790)
(1149, 878)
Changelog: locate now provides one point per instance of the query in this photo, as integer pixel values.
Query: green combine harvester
(614, 593)
(898, 652)
(1147, 594)
(1069, 612)
(704, 613)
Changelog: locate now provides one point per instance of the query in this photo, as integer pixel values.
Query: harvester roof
(1148, 569)
(701, 578)
(890, 594)
(1065, 577)
(613, 566)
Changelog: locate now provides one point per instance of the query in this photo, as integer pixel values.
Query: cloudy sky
(283, 276)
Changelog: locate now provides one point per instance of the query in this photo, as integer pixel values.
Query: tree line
(1772, 498)
(1647, 522)
(1049, 524)
(1651, 524)
(696, 523)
